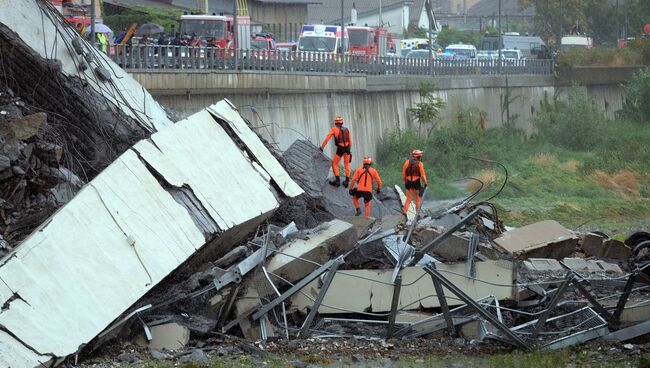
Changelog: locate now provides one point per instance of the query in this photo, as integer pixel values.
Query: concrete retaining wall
(285, 107)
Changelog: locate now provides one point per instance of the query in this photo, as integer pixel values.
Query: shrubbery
(575, 123)
(637, 97)
(637, 52)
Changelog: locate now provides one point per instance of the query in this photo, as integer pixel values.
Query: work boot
(346, 182)
(336, 182)
(358, 213)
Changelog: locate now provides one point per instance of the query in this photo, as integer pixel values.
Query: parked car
(420, 54)
(462, 51)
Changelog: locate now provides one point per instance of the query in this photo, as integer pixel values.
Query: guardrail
(145, 57)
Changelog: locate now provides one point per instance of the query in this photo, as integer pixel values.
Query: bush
(637, 96)
(450, 36)
(575, 123)
(601, 57)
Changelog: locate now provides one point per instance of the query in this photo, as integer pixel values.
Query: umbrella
(99, 28)
(148, 29)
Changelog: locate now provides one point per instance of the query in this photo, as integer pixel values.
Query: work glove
(352, 191)
(378, 190)
(320, 149)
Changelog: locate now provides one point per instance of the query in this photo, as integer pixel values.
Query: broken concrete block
(372, 289)
(251, 300)
(327, 241)
(608, 249)
(543, 265)
(362, 224)
(545, 239)
(606, 266)
(635, 313)
(452, 248)
(579, 264)
(169, 337)
(28, 126)
(391, 222)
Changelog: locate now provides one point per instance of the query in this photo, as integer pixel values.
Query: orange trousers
(366, 211)
(410, 193)
(346, 163)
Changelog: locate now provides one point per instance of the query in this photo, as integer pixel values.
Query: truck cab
(262, 41)
(367, 41)
(322, 38)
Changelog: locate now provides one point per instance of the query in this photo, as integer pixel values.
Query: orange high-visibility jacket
(342, 137)
(365, 177)
(413, 170)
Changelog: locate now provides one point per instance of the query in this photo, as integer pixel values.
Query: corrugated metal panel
(124, 232)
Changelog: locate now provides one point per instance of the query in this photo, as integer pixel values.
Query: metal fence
(145, 57)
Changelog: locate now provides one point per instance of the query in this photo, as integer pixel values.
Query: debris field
(196, 239)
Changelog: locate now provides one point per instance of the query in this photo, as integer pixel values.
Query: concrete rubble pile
(197, 232)
(458, 273)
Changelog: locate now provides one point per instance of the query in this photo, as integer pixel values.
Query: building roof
(151, 3)
(491, 7)
(329, 10)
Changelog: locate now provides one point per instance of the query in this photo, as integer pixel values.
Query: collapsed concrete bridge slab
(183, 191)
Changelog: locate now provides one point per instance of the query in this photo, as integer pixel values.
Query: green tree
(427, 111)
(449, 36)
(637, 95)
(553, 18)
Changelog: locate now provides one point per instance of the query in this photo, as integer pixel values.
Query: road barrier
(145, 57)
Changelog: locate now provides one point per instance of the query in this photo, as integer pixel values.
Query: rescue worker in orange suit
(364, 177)
(343, 141)
(415, 180)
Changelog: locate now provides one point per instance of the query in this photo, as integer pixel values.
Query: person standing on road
(364, 176)
(343, 142)
(415, 180)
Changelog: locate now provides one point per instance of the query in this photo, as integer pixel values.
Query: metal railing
(146, 57)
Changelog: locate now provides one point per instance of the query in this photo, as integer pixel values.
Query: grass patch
(601, 180)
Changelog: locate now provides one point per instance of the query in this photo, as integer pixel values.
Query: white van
(461, 51)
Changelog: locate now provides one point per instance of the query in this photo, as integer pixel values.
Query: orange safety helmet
(367, 160)
(416, 153)
(338, 120)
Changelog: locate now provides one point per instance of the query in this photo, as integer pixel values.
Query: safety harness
(343, 138)
(413, 168)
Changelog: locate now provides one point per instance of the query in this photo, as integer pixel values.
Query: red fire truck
(367, 41)
(217, 30)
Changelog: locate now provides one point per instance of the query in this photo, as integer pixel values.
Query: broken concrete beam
(635, 313)
(325, 242)
(169, 337)
(545, 239)
(362, 224)
(596, 266)
(372, 289)
(452, 248)
(629, 332)
(543, 265)
(132, 229)
(605, 248)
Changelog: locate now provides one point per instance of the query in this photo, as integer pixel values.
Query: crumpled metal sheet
(122, 234)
